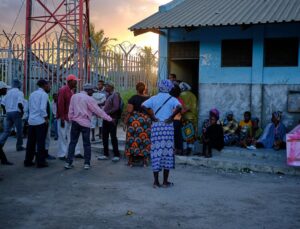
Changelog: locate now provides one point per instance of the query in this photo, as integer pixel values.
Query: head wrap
(165, 86)
(185, 86)
(255, 119)
(214, 112)
(277, 115)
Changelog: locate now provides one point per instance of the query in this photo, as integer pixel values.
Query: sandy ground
(112, 195)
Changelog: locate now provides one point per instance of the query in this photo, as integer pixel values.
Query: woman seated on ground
(274, 134)
(206, 123)
(256, 133)
(230, 126)
(245, 129)
(138, 127)
(213, 136)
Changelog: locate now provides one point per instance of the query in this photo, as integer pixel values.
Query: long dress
(272, 134)
(162, 134)
(139, 129)
(189, 121)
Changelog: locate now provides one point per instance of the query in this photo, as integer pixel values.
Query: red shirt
(63, 103)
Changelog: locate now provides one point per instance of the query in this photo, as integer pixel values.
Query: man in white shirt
(38, 125)
(3, 91)
(12, 105)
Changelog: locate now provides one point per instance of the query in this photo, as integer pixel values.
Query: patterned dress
(162, 149)
(162, 134)
(139, 130)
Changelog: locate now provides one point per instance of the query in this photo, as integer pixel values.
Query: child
(54, 120)
(245, 129)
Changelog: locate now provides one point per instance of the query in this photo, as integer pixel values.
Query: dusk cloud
(114, 16)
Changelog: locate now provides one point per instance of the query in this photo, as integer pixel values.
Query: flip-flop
(168, 185)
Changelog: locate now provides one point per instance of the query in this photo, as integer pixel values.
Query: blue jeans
(12, 118)
(76, 129)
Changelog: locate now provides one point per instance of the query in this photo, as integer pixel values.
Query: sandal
(168, 185)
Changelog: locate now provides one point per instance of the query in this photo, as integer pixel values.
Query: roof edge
(168, 6)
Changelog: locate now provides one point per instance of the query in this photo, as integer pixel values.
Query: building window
(281, 52)
(237, 53)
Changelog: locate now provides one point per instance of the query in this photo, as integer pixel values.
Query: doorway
(184, 62)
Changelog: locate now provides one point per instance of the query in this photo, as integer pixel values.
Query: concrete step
(268, 154)
(232, 158)
(239, 164)
(235, 152)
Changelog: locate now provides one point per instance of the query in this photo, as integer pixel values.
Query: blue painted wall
(259, 89)
(210, 54)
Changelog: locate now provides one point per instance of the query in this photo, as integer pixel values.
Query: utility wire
(14, 24)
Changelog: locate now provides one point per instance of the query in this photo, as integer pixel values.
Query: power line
(17, 16)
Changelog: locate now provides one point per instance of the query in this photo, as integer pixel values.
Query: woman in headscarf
(213, 112)
(230, 126)
(213, 136)
(138, 127)
(190, 117)
(274, 133)
(162, 108)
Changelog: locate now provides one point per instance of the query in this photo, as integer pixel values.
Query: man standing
(100, 97)
(3, 91)
(38, 125)
(64, 125)
(13, 107)
(111, 107)
(82, 107)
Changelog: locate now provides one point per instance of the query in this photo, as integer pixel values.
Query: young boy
(245, 129)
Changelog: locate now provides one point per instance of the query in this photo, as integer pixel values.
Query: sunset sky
(114, 16)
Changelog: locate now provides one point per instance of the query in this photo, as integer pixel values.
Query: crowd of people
(159, 126)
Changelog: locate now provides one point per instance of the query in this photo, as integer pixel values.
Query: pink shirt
(82, 107)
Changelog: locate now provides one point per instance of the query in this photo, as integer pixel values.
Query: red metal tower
(69, 18)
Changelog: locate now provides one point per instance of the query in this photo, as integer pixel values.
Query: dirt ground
(112, 195)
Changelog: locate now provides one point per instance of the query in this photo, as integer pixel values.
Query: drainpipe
(262, 80)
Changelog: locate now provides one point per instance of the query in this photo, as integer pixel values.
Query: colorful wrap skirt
(162, 146)
(138, 135)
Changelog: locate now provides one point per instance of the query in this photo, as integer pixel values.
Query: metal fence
(55, 60)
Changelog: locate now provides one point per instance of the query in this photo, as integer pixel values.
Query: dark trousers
(110, 128)
(178, 141)
(3, 158)
(36, 143)
(76, 129)
(12, 118)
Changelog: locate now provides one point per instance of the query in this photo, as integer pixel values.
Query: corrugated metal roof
(194, 13)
